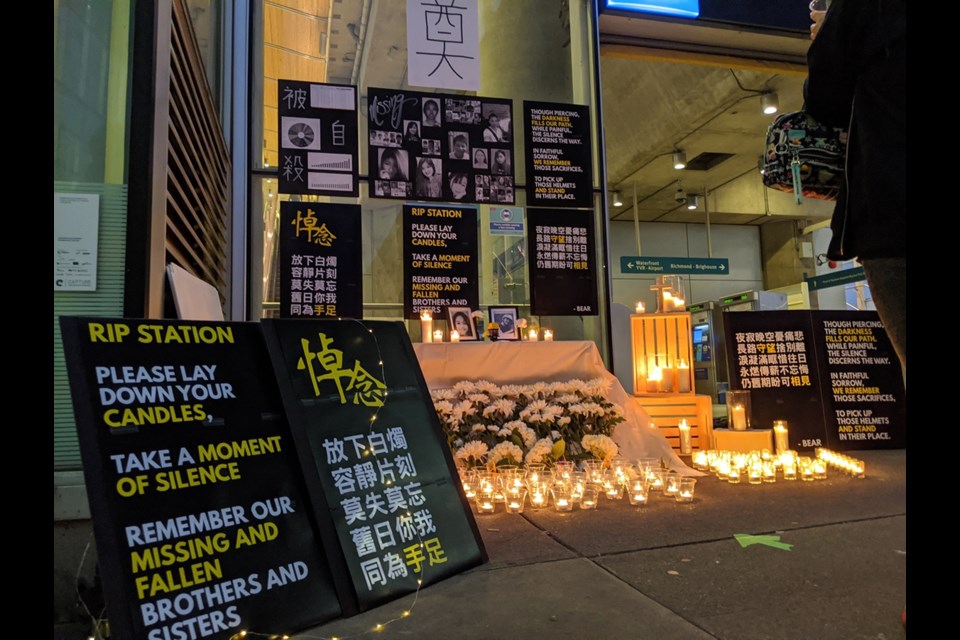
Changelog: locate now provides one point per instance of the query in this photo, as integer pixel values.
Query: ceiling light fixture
(770, 102)
(617, 202)
(679, 159)
(693, 202)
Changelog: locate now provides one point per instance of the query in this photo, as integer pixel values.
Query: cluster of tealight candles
(856, 468)
(566, 487)
(757, 467)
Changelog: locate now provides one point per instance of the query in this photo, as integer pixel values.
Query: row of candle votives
(758, 467)
(429, 334)
(512, 490)
(847, 464)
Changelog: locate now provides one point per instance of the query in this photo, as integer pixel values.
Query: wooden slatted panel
(666, 412)
(198, 169)
(659, 339)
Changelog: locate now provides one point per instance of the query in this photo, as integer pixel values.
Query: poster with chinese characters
(320, 260)
(562, 262)
(440, 148)
(832, 375)
(559, 155)
(439, 259)
(380, 471)
(318, 139)
(443, 44)
(199, 507)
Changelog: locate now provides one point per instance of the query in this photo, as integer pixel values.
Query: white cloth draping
(510, 362)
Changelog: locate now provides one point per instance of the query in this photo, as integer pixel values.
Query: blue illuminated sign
(676, 8)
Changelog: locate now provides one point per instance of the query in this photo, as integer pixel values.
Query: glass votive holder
(516, 500)
(564, 468)
(685, 494)
(789, 470)
(655, 479)
(538, 498)
(588, 500)
(671, 484)
(769, 472)
(485, 505)
(700, 461)
(805, 468)
(755, 473)
(561, 498)
(612, 490)
(733, 476)
(858, 469)
(637, 493)
(819, 470)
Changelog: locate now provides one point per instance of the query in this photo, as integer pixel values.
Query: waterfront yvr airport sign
(204, 523)
(662, 265)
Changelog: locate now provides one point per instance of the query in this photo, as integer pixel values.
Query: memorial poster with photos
(320, 260)
(199, 508)
(559, 156)
(440, 266)
(832, 375)
(440, 148)
(318, 138)
(562, 262)
(378, 460)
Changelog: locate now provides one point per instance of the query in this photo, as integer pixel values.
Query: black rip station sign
(376, 457)
(320, 258)
(563, 266)
(558, 154)
(439, 259)
(833, 375)
(198, 505)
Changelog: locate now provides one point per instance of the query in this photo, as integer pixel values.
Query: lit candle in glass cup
(637, 493)
(685, 494)
(739, 417)
(426, 326)
(789, 469)
(671, 484)
(561, 498)
(486, 506)
(547, 335)
(781, 436)
(538, 499)
(454, 336)
(532, 335)
(588, 500)
(655, 380)
(640, 308)
(515, 499)
(438, 335)
(769, 471)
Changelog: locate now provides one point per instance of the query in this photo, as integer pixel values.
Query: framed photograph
(460, 320)
(506, 317)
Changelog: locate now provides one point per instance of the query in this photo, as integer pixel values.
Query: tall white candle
(781, 436)
(739, 418)
(683, 377)
(654, 380)
(426, 327)
(685, 444)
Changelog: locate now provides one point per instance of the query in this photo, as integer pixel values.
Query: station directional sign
(835, 278)
(663, 265)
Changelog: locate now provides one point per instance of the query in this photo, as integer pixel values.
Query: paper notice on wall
(443, 44)
(75, 222)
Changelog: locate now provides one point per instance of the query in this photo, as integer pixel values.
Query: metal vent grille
(707, 160)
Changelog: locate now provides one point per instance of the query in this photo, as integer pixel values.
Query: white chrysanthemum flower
(503, 407)
(577, 386)
(493, 428)
(489, 388)
(555, 434)
(592, 408)
(443, 394)
(600, 446)
(479, 398)
(475, 450)
(443, 407)
(478, 427)
(563, 421)
(577, 409)
(567, 398)
(465, 387)
(536, 406)
(507, 451)
(511, 390)
(540, 450)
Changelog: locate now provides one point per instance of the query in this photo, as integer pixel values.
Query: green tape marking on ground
(745, 540)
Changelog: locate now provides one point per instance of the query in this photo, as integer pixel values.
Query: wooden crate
(667, 410)
(661, 340)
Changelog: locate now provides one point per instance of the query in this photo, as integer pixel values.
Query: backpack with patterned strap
(804, 157)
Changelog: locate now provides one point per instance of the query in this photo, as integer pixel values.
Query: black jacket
(857, 80)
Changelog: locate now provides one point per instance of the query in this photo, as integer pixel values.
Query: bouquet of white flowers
(542, 422)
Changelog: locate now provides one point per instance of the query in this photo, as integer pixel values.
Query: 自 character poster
(317, 138)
